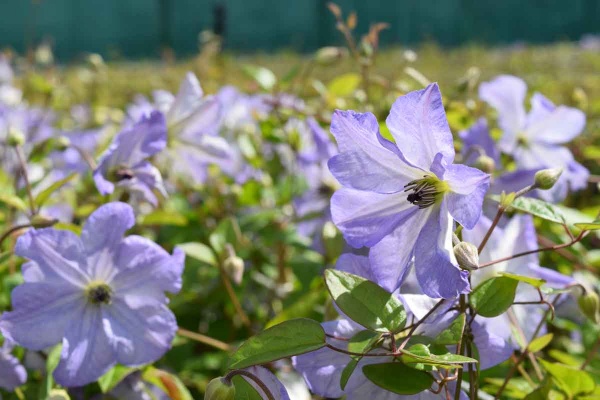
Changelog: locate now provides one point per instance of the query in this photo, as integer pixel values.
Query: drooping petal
(41, 314)
(270, 381)
(506, 93)
(492, 348)
(141, 262)
(138, 335)
(435, 264)
(390, 258)
(58, 256)
(468, 188)
(86, 353)
(366, 217)
(419, 126)
(576, 175)
(145, 181)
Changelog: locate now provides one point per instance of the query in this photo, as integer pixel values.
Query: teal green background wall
(138, 28)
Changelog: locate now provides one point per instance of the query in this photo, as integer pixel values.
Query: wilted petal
(86, 353)
(41, 314)
(468, 188)
(366, 217)
(506, 93)
(57, 255)
(418, 123)
(273, 384)
(435, 265)
(138, 335)
(390, 258)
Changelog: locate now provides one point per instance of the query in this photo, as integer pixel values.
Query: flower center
(426, 191)
(522, 140)
(99, 293)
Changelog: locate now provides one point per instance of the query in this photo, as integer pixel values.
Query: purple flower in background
(125, 163)
(101, 294)
(269, 380)
(401, 198)
(477, 142)
(193, 121)
(12, 373)
(536, 139)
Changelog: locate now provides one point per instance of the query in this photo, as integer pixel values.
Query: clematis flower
(536, 139)
(269, 380)
(477, 142)
(193, 121)
(125, 164)
(101, 295)
(12, 373)
(401, 198)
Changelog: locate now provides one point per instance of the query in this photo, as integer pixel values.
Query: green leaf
(244, 390)
(588, 226)
(542, 392)
(538, 208)
(453, 333)
(13, 201)
(362, 342)
(45, 194)
(398, 378)
(365, 302)
(163, 217)
(494, 296)
(265, 78)
(167, 382)
(572, 381)
(58, 394)
(540, 343)
(290, 338)
(344, 85)
(521, 278)
(421, 354)
(228, 231)
(113, 377)
(565, 358)
(199, 251)
(301, 308)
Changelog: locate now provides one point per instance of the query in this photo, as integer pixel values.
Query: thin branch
(204, 339)
(418, 323)
(23, 165)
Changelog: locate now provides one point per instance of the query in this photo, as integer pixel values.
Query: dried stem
(234, 299)
(204, 339)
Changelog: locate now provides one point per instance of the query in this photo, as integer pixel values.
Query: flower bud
(485, 164)
(218, 389)
(329, 55)
(15, 137)
(589, 304)
(234, 267)
(546, 178)
(467, 256)
(62, 143)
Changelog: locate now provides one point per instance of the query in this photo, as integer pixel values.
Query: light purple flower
(401, 198)
(125, 164)
(269, 380)
(536, 139)
(101, 295)
(12, 373)
(477, 142)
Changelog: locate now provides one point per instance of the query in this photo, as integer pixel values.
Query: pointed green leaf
(494, 296)
(542, 392)
(588, 226)
(539, 208)
(521, 278)
(244, 390)
(570, 380)
(421, 354)
(540, 343)
(45, 194)
(290, 338)
(263, 76)
(365, 302)
(199, 251)
(13, 201)
(113, 377)
(362, 342)
(453, 333)
(344, 85)
(163, 217)
(398, 378)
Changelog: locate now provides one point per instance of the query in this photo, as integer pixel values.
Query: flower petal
(86, 353)
(476, 138)
(12, 373)
(204, 121)
(272, 384)
(187, 99)
(390, 258)
(366, 217)
(468, 188)
(492, 349)
(58, 256)
(435, 265)
(41, 314)
(554, 125)
(141, 335)
(106, 226)
(506, 93)
(419, 126)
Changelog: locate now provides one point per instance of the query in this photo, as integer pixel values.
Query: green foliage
(494, 296)
(387, 376)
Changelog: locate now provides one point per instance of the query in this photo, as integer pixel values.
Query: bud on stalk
(218, 389)
(467, 256)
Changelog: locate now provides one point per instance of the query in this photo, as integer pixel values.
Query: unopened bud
(62, 143)
(589, 304)
(39, 221)
(15, 137)
(234, 267)
(219, 389)
(546, 178)
(467, 256)
(485, 164)
(330, 54)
